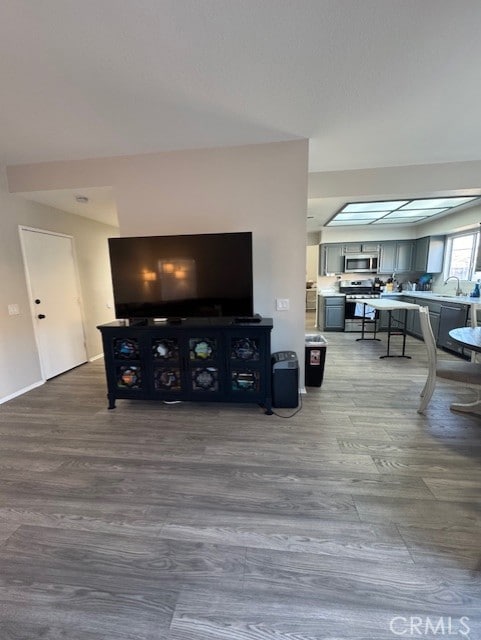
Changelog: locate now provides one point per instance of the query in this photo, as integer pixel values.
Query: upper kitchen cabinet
(331, 259)
(429, 254)
(361, 247)
(396, 256)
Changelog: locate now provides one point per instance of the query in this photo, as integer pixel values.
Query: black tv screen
(184, 276)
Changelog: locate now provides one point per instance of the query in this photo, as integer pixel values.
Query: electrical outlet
(282, 304)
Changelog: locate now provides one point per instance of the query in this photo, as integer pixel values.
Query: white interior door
(55, 300)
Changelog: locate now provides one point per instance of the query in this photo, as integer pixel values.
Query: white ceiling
(371, 83)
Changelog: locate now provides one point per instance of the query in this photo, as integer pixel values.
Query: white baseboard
(22, 391)
(97, 357)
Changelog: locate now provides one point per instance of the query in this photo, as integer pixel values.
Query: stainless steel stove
(356, 296)
(358, 289)
(355, 290)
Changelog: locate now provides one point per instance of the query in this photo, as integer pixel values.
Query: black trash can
(316, 346)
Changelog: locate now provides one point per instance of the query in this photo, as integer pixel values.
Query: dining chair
(462, 372)
(475, 356)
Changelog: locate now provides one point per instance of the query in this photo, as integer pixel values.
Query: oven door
(353, 322)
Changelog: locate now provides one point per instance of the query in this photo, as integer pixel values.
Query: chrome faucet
(458, 288)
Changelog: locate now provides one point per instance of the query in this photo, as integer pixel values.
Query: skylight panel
(434, 203)
(396, 211)
(368, 215)
(340, 223)
(395, 220)
(386, 205)
(414, 213)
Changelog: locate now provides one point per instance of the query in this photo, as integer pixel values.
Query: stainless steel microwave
(361, 263)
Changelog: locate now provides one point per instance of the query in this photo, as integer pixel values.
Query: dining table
(469, 337)
(395, 326)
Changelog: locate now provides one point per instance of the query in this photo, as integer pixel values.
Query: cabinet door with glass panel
(166, 375)
(129, 374)
(124, 358)
(246, 361)
(204, 364)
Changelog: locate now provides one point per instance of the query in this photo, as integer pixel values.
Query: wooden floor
(209, 522)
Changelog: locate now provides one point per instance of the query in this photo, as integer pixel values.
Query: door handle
(40, 316)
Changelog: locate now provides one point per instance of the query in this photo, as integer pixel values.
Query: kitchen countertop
(431, 295)
(426, 295)
(385, 304)
(329, 294)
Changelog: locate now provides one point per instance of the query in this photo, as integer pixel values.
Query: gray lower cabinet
(414, 325)
(334, 312)
(434, 310)
(383, 323)
(450, 317)
(434, 319)
(443, 316)
(397, 320)
(413, 321)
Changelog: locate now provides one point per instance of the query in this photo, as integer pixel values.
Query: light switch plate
(282, 304)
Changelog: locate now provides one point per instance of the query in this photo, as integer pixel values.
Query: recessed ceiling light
(82, 199)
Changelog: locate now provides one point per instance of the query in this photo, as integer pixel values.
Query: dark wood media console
(203, 360)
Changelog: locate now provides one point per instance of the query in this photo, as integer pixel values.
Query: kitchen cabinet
(397, 314)
(404, 256)
(413, 326)
(434, 311)
(429, 254)
(387, 258)
(331, 259)
(199, 360)
(370, 247)
(331, 313)
(443, 316)
(396, 256)
(450, 317)
(353, 247)
(361, 247)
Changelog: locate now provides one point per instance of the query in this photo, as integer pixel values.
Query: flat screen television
(182, 276)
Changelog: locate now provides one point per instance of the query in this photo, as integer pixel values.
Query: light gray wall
(461, 220)
(19, 364)
(260, 188)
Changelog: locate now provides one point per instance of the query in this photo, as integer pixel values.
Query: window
(462, 251)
